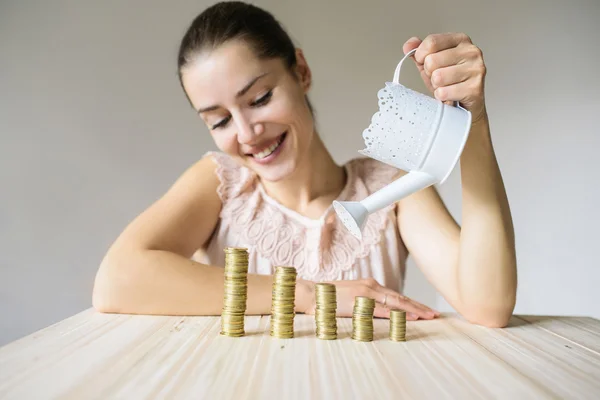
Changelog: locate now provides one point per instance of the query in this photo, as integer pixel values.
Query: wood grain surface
(102, 356)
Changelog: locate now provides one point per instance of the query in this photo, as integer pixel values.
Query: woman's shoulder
(372, 173)
(222, 160)
(370, 165)
(234, 178)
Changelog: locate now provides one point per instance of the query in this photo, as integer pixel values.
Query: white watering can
(415, 133)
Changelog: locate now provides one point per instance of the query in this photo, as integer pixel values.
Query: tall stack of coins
(398, 325)
(362, 319)
(236, 291)
(283, 302)
(325, 312)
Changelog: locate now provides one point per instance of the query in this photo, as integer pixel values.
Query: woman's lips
(268, 154)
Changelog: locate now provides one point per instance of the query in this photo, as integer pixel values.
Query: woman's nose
(248, 132)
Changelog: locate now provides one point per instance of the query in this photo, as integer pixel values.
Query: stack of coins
(325, 312)
(283, 302)
(362, 319)
(236, 291)
(398, 325)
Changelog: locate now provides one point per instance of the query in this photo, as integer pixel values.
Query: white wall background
(94, 127)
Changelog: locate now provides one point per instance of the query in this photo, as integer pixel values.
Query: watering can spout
(354, 214)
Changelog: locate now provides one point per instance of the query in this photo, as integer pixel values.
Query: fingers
(463, 81)
(438, 42)
(401, 298)
(385, 299)
(463, 92)
(397, 301)
(411, 44)
(451, 67)
(458, 55)
(411, 316)
(442, 59)
(449, 76)
(381, 311)
(409, 305)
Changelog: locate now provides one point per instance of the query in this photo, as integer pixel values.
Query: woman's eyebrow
(239, 94)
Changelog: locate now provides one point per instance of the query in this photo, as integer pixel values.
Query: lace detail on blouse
(320, 249)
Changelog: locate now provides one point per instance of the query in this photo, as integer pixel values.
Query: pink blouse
(320, 249)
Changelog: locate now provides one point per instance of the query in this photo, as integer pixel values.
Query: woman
(271, 185)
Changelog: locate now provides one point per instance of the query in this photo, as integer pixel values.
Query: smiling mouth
(269, 150)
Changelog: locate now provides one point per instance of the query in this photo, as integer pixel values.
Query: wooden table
(101, 356)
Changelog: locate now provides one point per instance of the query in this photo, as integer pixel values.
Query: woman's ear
(303, 72)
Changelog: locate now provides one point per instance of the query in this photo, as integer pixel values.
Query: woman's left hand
(452, 68)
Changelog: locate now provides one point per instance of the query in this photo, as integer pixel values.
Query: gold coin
(283, 302)
(398, 325)
(235, 291)
(362, 319)
(325, 311)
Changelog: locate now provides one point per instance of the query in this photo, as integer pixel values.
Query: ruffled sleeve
(373, 174)
(234, 178)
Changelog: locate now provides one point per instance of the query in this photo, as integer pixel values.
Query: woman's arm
(473, 267)
(148, 269)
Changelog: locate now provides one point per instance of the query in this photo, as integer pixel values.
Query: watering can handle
(397, 73)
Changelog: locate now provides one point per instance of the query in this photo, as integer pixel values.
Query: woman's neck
(315, 183)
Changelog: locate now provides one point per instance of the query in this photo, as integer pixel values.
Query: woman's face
(255, 109)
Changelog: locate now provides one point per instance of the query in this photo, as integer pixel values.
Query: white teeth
(267, 152)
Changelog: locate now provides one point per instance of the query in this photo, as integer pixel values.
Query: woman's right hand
(385, 299)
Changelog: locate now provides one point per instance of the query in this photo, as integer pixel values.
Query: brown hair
(236, 20)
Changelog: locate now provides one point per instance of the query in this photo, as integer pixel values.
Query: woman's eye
(221, 123)
(263, 100)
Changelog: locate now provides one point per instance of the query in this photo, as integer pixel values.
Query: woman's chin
(275, 173)
(279, 171)
(269, 172)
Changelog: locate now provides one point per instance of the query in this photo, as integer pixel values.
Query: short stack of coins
(283, 302)
(235, 292)
(325, 311)
(398, 325)
(362, 319)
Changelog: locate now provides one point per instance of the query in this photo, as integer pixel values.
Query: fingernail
(413, 39)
